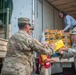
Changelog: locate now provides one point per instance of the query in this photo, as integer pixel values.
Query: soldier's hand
(45, 44)
(37, 42)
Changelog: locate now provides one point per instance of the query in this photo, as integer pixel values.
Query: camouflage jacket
(71, 52)
(22, 45)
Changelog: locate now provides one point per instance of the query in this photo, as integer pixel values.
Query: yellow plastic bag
(59, 44)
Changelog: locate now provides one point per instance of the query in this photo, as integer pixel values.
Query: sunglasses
(31, 28)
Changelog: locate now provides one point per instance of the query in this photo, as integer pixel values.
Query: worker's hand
(62, 31)
(63, 49)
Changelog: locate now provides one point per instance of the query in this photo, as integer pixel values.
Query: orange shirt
(42, 58)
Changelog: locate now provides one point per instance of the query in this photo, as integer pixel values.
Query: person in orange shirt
(45, 62)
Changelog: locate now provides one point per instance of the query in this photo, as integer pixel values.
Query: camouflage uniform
(18, 60)
(71, 51)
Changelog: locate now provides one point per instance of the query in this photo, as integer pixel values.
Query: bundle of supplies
(58, 38)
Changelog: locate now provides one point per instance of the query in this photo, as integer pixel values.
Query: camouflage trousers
(44, 71)
(14, 66)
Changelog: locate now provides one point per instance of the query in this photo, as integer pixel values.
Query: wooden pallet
(3, 47)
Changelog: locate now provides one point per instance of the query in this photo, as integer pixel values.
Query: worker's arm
(45, 59)
(50, 60)
(67, 23)
(68, 52)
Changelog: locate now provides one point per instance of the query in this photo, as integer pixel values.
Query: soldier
(70, 52)
(34, 63)
(45, 62)
(31, 30)
(20, 47)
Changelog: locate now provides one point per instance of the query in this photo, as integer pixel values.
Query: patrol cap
(23, 20)
(73, 31)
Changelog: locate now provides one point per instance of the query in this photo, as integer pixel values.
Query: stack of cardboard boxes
(52, 36)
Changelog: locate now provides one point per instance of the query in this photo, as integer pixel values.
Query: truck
(42, 16)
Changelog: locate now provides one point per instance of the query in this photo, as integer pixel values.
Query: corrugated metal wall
(21, 8)
(58, 21)
(46, 17)
(38, 20)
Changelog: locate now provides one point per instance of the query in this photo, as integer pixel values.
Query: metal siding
(47, 16)
(38, 20)
(21, 8)
(58, 20)
(56, 68)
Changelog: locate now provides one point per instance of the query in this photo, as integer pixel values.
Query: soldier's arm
(28, 43)
(38, 47)
(70, 53)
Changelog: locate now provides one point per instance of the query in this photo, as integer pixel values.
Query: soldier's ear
(25, 26)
